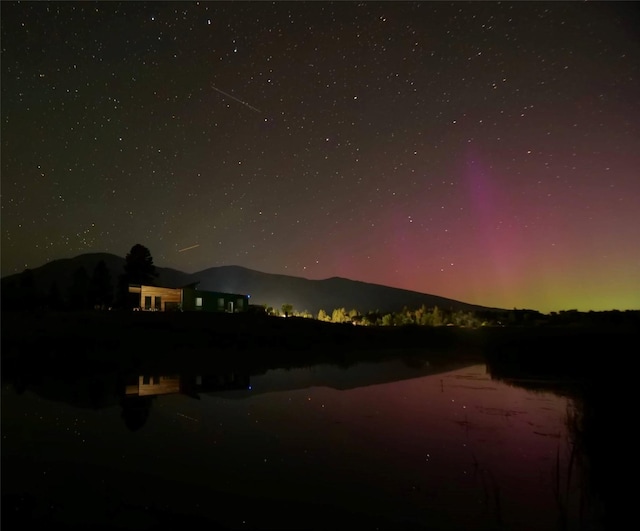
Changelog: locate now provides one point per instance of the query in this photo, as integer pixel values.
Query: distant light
(249, 388)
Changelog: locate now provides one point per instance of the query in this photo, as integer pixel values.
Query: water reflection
(589, 425)
(140, 390)
(402, 443)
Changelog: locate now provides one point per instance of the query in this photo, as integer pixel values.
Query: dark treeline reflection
(133, 392)
(93, 385)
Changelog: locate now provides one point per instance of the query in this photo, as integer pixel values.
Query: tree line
(422, 316)
(88, 290)
(436, 316)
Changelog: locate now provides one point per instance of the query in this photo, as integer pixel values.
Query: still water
(386, 445)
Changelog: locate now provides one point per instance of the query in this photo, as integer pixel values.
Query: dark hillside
(264, 288)
(61, 271)
(314, 295)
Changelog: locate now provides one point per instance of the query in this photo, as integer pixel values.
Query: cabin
(188, 298)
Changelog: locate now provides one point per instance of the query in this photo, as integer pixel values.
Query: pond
(394, 444)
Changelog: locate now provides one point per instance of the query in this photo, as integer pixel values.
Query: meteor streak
(234, 98)
(187, 248)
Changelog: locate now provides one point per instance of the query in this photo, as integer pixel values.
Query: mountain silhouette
(264, 288)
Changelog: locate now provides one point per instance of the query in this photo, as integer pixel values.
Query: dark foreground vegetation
(576, 347)
(211, 339)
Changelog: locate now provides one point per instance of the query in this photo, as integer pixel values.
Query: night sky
(486, 152)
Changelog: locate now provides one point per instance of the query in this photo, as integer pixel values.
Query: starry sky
(486, 152)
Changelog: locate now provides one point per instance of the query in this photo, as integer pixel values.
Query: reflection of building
(188, 298)
(152, 385)
(191, 385)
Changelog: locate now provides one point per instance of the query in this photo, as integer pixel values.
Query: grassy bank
(140, 337)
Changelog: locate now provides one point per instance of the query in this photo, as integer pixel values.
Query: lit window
(198, 302)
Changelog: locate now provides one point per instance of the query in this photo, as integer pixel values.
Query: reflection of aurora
(589, 465)
(340, 436)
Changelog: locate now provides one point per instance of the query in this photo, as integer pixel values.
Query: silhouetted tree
(139, 267)
(54, 298)
(287, 309)
(27, 279)
(27, 296)
(10, 293)
(101, 287)
(79, 290)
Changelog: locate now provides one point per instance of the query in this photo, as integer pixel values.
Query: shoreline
(140, 338)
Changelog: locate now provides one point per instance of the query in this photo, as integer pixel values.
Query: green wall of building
(212, 301)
